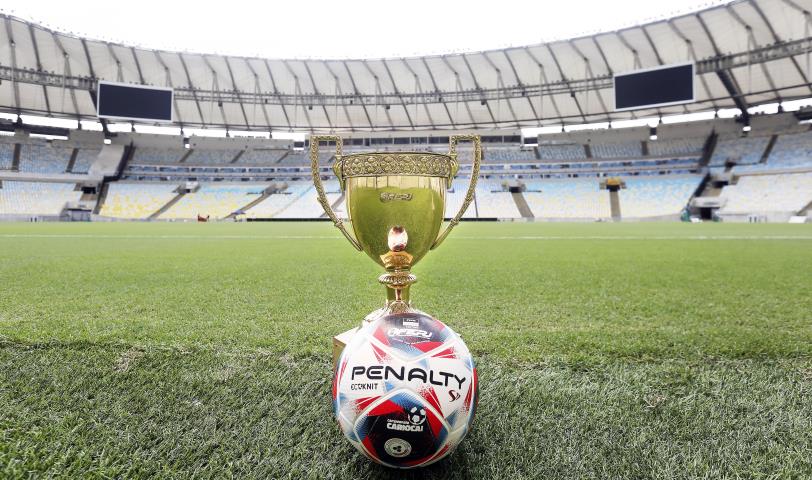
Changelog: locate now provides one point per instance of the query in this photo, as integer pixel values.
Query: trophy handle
(325, 204)
(469, 195)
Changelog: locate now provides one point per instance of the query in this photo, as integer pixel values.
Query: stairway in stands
(72, 160)
(708, 149)
(336, 205)
(102, 197)
(614, 205)
(15, 162)
(768, 149)
(168, 205)
(521, 204)
(807, 210)
(253, 203)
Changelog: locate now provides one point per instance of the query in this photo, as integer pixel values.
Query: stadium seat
(215, 200)
(656, 196)
(676, 147)
(631, 149)
(574, 198)
(278, 202)
(508, 155)
(211, 157)
(493, 202)
(136, 200)
(36, 198)
(306, 204)
(793, 150)
(261, 156)
(38, 158)
(159, 156)
(744, 151)
(85, 158)
(455, 197)
(6, 155)
(562, 152)
(767, 193)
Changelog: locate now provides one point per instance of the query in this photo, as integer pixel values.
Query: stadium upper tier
(789, 151)
(760, 44)
(37, 156)
(778, 142)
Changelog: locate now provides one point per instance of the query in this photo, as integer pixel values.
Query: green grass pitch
(605, 350)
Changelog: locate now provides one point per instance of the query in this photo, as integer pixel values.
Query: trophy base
(342, 339)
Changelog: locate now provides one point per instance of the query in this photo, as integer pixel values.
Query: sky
(336, 29)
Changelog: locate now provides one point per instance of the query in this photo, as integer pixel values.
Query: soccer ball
(405, 390)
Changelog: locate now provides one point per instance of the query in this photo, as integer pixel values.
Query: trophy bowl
(396, 206)
(405, 191)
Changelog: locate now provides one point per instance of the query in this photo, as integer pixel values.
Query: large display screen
(655, 87)
(134, 102)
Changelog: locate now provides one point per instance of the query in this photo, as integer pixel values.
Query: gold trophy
(396, 205)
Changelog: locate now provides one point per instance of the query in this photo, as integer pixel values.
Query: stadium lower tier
(578, 199)
(36, 198)
(760, 194)
(585, 199)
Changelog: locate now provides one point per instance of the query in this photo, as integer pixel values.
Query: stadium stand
(215, 200)
(493, 201)
(508, 155)
(211, 157)
(6, 155)
(455, 196)
(306, 205)
(660, 175)
(277, 202)
(676, 147)
(792, 150)
(741, 150)
(36, 198)
(657, 196)
(757, 194)
(575, 198)
(617, 150)
(562, 152)
(136, 200)
(85, 158)
(39, 158)
(261, 156)
(300, 157)
(153, 156)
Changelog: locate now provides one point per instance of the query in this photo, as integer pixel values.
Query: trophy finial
(397, 258)
(397, 238)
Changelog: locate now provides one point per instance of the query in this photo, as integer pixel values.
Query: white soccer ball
(405, 390)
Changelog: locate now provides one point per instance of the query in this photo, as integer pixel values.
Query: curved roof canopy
(747, 52)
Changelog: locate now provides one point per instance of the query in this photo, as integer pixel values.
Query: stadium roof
(747, 52)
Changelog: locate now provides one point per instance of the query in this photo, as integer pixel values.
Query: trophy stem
(397, 290)
(397, 294)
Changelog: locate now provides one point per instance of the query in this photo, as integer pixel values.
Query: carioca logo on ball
(417, 416)
(409, 332)
(380, 372)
